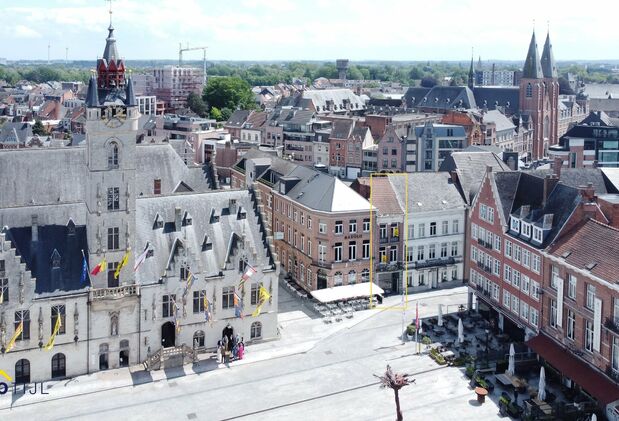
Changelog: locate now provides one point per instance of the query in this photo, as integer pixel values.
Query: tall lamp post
(487, 362)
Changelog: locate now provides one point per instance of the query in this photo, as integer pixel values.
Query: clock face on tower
(114, 116)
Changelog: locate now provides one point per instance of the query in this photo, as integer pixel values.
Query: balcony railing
(394, 239)
(114, 293)
(612, 373)
(389, 267)
(442, 261)
(611, 324)
(383, 240)
(484, 244)
(483, 267)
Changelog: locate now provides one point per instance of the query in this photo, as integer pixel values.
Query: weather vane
(110, 1)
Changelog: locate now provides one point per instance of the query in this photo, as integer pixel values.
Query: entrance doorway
(168, 335)
(123, 357)
(321, 280)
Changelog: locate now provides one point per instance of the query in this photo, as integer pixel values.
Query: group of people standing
(230, 347)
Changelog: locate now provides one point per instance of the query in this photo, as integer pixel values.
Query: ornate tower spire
(532, 66)
(471, 83)
(549, 66)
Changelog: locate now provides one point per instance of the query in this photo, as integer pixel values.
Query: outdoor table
(504, 379)
(543, 406)
(439, 332)
(481, 394)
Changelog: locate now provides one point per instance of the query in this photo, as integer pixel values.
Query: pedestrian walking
(219, 352)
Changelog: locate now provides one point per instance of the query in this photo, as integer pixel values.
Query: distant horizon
(305, 30)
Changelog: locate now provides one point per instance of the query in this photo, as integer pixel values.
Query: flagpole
(87, 269)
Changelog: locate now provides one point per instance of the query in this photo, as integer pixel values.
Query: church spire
(471, 81)
(549, 66)
(532, 66)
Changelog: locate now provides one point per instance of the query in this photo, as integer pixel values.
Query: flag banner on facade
(208, 315)
(84, 270)
(417, 316)
(122, 264)
(18, 332)
(177, 323)
(142, 257)
(52, 339)
(238, 305)
(190, 279)
(101, 267)
(263, 297)
(249, 272)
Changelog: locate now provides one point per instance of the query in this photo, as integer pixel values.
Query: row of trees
(41, 74)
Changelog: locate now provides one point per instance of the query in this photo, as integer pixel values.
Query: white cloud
(21, 31)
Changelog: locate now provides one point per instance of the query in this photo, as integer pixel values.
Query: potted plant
(426, 341)
(410, 331)
(470, 371)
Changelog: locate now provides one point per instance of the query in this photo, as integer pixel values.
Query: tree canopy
(197, 105)
(228, 92)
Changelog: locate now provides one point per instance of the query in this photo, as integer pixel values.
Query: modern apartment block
(173, 84)
(427, 146)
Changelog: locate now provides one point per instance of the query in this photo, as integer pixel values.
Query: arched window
(529, 90)
(22, 371)
(103, 357)
(112, 155)
(352, 277)
(337, 279)
(198, 339)
(123, 355)
(59, 366)
(365, 275)
(256, 330)
(546, 129)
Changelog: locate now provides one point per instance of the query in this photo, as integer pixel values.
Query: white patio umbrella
(594, 417)
(541, 388)
(440, 315)
(511, 367)
(460, 331)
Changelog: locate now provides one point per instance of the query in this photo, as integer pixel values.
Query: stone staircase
(176, 356)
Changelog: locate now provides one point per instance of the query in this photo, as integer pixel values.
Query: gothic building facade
(175, 251)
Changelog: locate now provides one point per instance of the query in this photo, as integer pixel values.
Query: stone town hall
(105, 199)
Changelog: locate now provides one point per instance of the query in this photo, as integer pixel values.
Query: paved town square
(314, 372)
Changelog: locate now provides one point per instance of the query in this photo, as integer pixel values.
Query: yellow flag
(16, 335)
(122, 264)
(263, 297)
(50, 344)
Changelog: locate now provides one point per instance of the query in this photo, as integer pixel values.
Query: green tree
(226, 113)
(228, 92)
(196, 104)
(216, 114)
(428, 82)
(38, 128)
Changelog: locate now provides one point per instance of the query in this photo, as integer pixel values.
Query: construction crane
(180, 57)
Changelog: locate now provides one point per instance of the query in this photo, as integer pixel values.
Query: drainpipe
(139, 328)
(88, 335)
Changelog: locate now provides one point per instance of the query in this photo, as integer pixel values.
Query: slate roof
(578, 177)
(427, 192)
(237, 118)
(230, 232)
(342, 128)
(593, 247)
(15, 133)
(549, 67)
(384, 198)
(498, 118)
(38, 256)
(506, 183)
(532, 67)
(441, 97)
(508, 98)
(471, 167)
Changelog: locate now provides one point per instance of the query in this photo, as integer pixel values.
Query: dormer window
(515, 224)
(55, 259)
(158, 222)
(538, 235)
(71, 227)
(242, 214)
(207, 244)
(526, 230)
(187, 220)
(214, 217)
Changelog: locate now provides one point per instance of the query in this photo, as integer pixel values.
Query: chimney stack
(587, 193)
(178, 218)
(556, 166)
(550, 181)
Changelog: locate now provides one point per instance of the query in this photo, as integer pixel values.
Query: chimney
(556, 165)
(35, 228)
(524, 211)
(587, 193)
(178, 218)
(488, 168)
(454, 176)
(550, 181)
(547, 224)
(232, 206)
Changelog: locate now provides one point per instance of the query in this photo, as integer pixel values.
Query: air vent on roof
(566, 254)
(590, 266)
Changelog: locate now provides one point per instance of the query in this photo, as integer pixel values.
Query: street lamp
(487, 333)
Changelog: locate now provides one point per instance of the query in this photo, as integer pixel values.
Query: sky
(406, 30)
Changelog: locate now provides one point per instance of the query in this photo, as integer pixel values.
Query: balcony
(612, 373)
(442, 261)
(483, 267)
(389, 267)
(394, 239)
(383, 240)
(484, 243)
(114, 293)
(611, 324)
